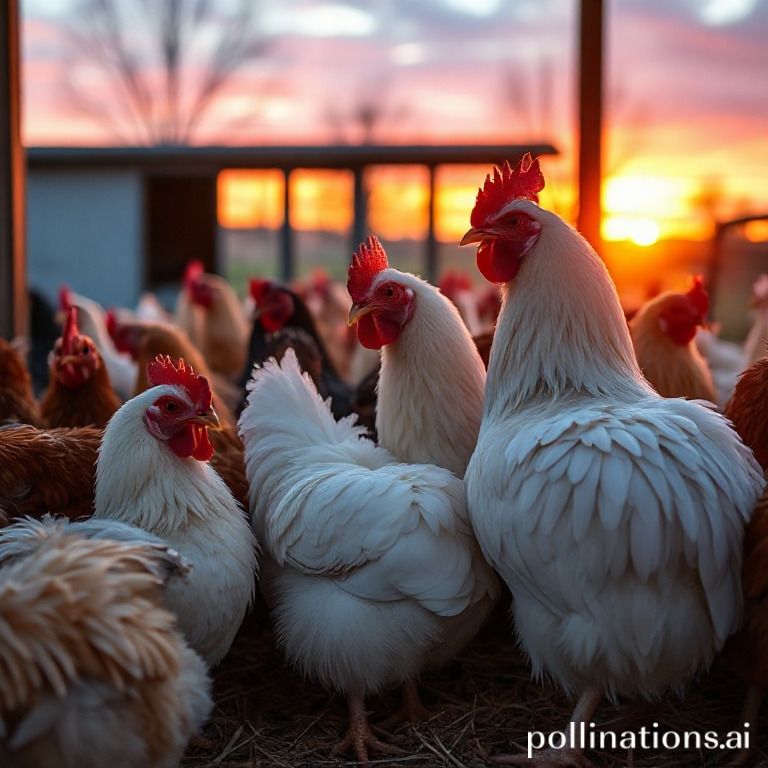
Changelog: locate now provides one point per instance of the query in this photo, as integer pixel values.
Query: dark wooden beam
(591, 28)
(13, 293)
(359, 208)
(213, 159)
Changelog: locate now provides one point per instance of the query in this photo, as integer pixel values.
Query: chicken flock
(377, 488)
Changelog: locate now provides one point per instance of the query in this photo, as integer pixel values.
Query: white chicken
(93, 670)
(615, 517)
(372, 565)
(153, 473)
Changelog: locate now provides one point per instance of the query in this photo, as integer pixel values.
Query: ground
(484, 703)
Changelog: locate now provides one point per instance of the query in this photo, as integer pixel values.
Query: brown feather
(17, 401)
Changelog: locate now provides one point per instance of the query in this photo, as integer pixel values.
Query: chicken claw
(359, 736)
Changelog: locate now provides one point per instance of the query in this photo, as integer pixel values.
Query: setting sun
(639, 230)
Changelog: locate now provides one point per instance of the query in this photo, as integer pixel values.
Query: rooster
(17, 400)
(79, 390)
(615, 516)
(153, 472)
(663, 333)
(375, 572)
(93, 671)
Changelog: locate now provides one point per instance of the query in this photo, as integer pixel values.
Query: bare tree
(165, 62)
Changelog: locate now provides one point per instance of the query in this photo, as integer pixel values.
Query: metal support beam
(287, 256)
(13, 294)
(360, 207)
(591, 28)
(431, 253)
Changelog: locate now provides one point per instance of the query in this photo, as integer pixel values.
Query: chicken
(188, 315)
(747, 411)
(153, 472)
(279, 308)
(755, 343)
(79, 390)
(615, 516)
(93, 671)
(663, 332)
(145, 341)
(223, 332)
(51, 470)
(329, 304)
(93, 321)
(457, 286)
(747, 649)
(17, 400)
(374, 571)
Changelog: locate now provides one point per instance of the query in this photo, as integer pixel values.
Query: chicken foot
(569, 757)
(359, 736)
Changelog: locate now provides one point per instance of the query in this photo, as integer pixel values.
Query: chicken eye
(389, 291)
(170, 407)
(514, 221)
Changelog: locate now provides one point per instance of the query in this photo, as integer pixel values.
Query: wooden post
(287, 264)
(360, 207)
(591, 120)
(431, 265)
(13, 292)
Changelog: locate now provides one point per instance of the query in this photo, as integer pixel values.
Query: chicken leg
(572, 757)
(411, 709)
(359, 736)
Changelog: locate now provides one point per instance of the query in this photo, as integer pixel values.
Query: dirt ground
(484, 703)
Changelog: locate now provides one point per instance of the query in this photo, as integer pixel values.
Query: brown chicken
(54, 470)
(79, 391)
(50, 470)
(748, 650)
(223, 329)
(88, 645)
(17, 401)
(663, 333)
(145, 341)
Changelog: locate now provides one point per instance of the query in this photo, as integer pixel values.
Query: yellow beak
(357, 311)
(208, 419)
(477, 235)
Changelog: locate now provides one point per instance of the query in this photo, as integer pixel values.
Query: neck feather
(561, 332)
(431, 387)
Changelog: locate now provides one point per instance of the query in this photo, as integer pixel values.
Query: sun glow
(639, 230)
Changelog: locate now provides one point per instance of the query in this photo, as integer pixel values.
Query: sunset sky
(687, 82)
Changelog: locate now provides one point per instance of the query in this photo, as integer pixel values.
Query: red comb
(112, 323)
(65, 298)
(698, 295)
(70, 331)
(524, 182)
(454, 281)
(192, 272)
(369, 259)
(257, 287)
(162, 370)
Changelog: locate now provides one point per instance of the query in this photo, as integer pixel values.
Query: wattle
(498, 261)
(375, 332)
(192, 441)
